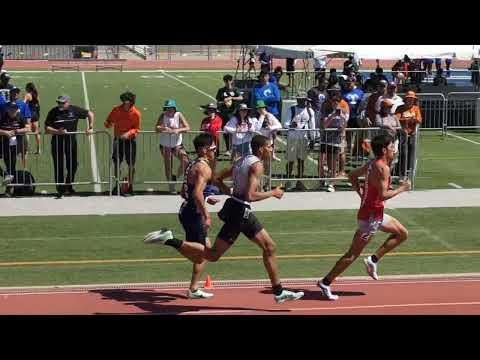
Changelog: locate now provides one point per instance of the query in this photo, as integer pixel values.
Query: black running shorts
(238, 218)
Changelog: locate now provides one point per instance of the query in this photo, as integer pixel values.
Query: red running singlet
(372, 205)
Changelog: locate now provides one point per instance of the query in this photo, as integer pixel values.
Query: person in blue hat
(171, 124)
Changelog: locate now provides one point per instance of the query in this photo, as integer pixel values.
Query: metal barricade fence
(463, 110)
(158, 158)
(65, 160)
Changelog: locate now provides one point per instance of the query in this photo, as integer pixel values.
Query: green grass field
(442, 160)
(109, 249)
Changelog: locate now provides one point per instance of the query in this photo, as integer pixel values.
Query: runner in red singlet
(371, 217)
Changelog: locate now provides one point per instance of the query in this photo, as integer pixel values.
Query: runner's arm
(383, 184)
(218, 180)
(355, 174)
(253, 194)
(203, 174)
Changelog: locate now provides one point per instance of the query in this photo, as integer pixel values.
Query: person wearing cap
(335, 114)
(125, 119)
(301, 125)
(62, 122)
(391, 94)
(228, 98)
(410, 117)
(171, 124)
(212, 124)
(241, 128)
(268, 92)
(25, 111)
(13, 127)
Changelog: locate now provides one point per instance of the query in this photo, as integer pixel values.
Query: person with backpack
(12, 126)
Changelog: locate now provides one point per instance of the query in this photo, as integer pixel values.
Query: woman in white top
(171, 124)
(389, 122)
(241, 127)
(268, 124)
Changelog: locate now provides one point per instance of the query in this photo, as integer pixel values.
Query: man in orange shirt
(125, 119)
(410, 116)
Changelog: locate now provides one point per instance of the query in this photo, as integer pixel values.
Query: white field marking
(359, 307)
(462, 138)
(70, 289)
(434, 237)
(455, 186)
(152, 76)
(93, 152)
(189, 85)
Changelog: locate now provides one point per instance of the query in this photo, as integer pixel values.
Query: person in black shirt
(5, 85)
(2, 55)
(439, 80)
(61, 121)
(12, 124)
(228, 98)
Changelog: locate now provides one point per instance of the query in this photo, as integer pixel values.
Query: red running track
(439, 296)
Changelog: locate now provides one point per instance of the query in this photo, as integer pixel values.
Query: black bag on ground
(26, 178)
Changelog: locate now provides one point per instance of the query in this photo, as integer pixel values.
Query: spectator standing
(267, 92)
(2, 57)
(388, 121)
(212, 124)
(125, 119)
(409, 116)
(331, 105)
(171, 124)
(228, 98)
(302, 119)
(448, 63)
(331, 143)
(353, 96)
(61, 122)
(439, 80)
(13, 127)
(320, 66)
(475, 73)
(276, 76)
(372, 101)
(290, 66)
(267, 126)
(32, 99)
(317, 96)
(333, 78)
(251, 63)
(391, 95)
(265, 61)
(241, 128)
(5, 85)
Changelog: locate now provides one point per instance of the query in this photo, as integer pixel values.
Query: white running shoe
(288, 295)
(7, 179)
(276, 158)
(371, 267)
(160, 236)
(330, 188)
(326, 291)
(228, 153)
(198, 294)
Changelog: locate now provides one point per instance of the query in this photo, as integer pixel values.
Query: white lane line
(359, 307)
(455, 186)
(189, 85)
(462, 138)
(75, 289)
(93, 152)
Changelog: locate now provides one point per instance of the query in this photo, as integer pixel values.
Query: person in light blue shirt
(268, 92)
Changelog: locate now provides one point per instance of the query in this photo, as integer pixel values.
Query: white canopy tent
(461, 52)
